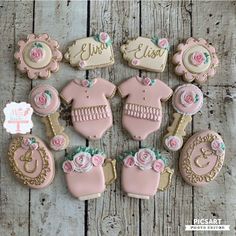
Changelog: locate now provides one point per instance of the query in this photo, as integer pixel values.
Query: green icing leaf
(48, 93)
(109, 43)
(96, 38)
(155, 39)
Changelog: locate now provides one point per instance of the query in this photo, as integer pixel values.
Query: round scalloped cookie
(195, 60)
(38, 56)
(202, 158)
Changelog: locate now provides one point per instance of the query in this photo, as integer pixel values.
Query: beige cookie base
(88, 197)
(138, 196)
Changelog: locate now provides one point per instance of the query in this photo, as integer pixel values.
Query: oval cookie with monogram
(147, 54)
(195, 60)
(31, 162)
(92, 52)
(87, 172)
(144, 172)
(38, 56)
(202, 158)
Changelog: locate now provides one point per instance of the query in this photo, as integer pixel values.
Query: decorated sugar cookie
(87, 172)
(187, 100)
(38, 56)
(142, 112)
(145, 53)
(144, 172)
(202, 158)
(90, 53)
(31, 162)
(195, 60)
(45, 102)
(91, 111)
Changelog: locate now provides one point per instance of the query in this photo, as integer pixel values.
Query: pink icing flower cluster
(148, 82)
(104, 37)
(87, 83)
(198, 58)
(43, 99)
(218, 146)
(37, 53)
(173, 143)
(145, 159)
(29, 143)
(82, 162)
(163, 43)
(188, 98)
(58, 142)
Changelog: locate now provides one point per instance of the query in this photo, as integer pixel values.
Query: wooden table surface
(53, 211)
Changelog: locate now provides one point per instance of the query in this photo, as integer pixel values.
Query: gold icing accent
(205, 154)
(109, 169)
(165, 179)
(27, 158)
(190, 174)
(16, 143)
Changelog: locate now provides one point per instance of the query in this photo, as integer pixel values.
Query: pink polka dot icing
(187, 99)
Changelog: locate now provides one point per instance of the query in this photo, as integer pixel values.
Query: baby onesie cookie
(85, 172)
(187, 100)
(38, 56)
(195, 60)
(142, 112)
(145, 53)
(202, 158)
(31, 162)
(144, 172)
(45, 102)
(90, 53)
(91, 111)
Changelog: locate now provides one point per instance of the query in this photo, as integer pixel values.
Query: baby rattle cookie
(45, 102)
(31, 162)
(147, 54)
(202, 158)
(144, 172)
(92, 52)
(142, 112)
(91, 112)
(38, 56)
(195, 60)
(187, 100)
(88, 172)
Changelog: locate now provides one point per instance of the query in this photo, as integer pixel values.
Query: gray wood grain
(53, 211)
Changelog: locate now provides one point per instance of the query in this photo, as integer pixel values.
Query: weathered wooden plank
(115, 213)
(169, 211)
(53, 210)
(15, 18)
(216, 201)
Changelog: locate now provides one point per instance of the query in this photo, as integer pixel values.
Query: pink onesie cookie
(31, 162)
(91, 111)
(195, 60)
(142, 112)
(38, 56)
(202, 157)
(144, 172)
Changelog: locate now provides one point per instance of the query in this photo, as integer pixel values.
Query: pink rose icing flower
(188, 98)
(135, 61)
(104, 37)
(82, 64)
(57, 142)
(218, 146)
(68, 166)
(173, 143)
(82, 162)
(158, 166)
(25, 143)
(129, 161)
(144, 158)
(163, 43)
(43, 99)
(198, 58)
(147, 81)
(29, 143)
(37, 52)
(97, 160)
(34, 146)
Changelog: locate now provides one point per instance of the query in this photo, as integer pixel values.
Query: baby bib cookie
(85, 176)
(202, 158)
(38, 56)
(144, 172)
(91, 112)
(195, 60)
(145, 53)
(92, 52)
(31, 162)
(45, 102)
(142, 112)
